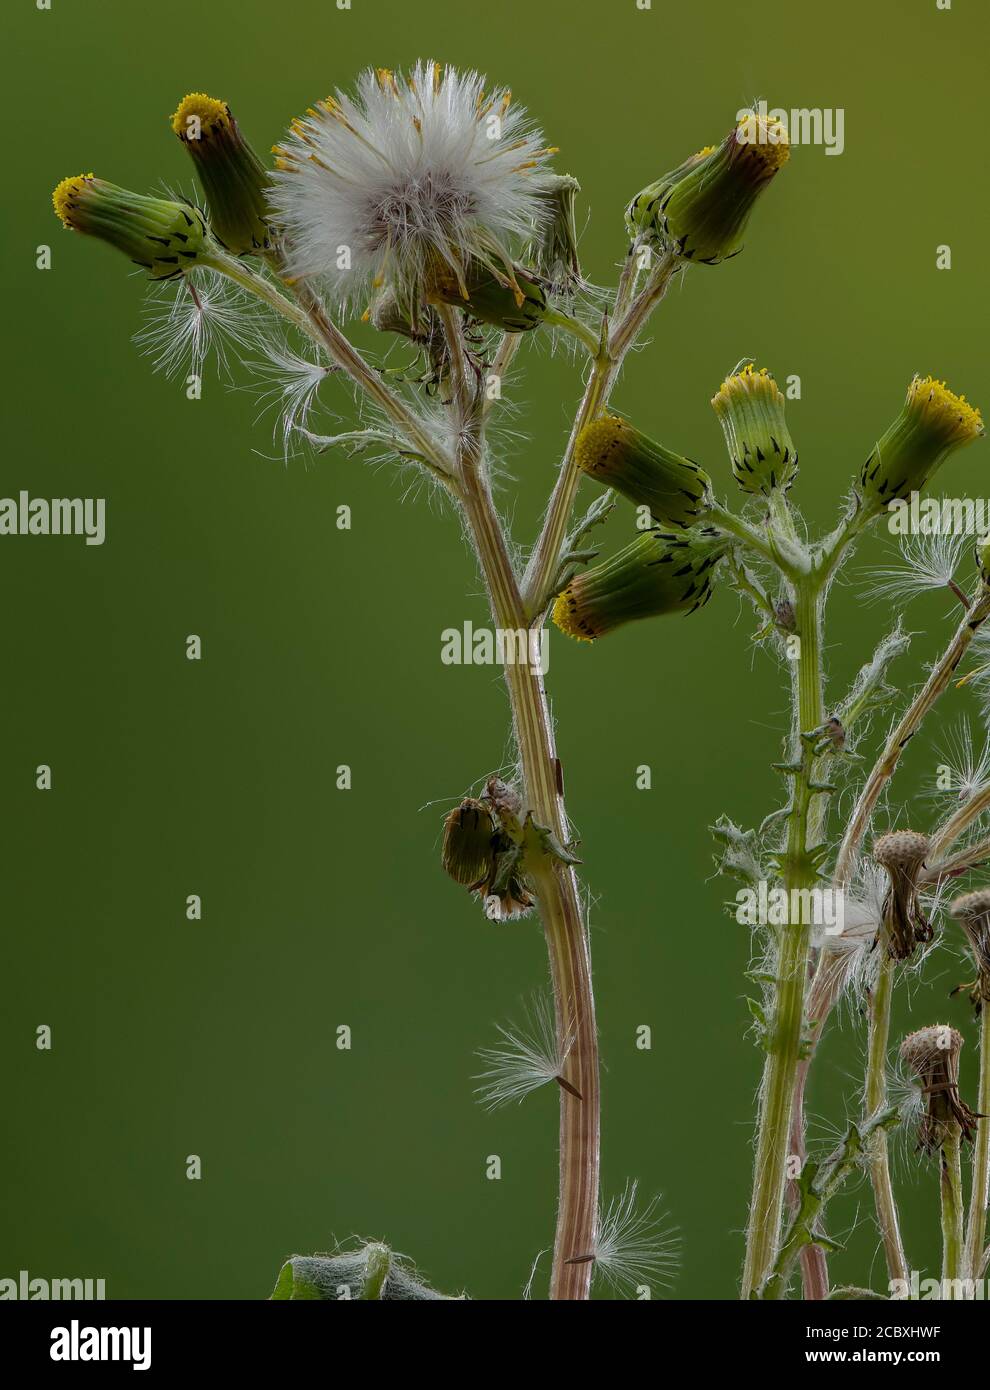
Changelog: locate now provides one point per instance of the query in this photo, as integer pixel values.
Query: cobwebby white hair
(412, 174)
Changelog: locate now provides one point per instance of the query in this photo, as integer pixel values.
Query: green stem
(952, 1212)
(577, 330)
(980, 1188)
(886, 765)
(875, 1098)
(784, 1041)
(735, 526)
(545, 559)
(555, 884)
(563, 922)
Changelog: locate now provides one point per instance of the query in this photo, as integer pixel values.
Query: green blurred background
(321, 647)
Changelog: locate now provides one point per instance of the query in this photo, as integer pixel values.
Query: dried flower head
(932, 1056)
(659, 572)
(515, 305)
(233, 179)
(750, 408)
(161, 236)
(411, 176)
(553, 251)
(932, 425)
(614, 452)
(902, 853)
(972, 912)
(468, 854)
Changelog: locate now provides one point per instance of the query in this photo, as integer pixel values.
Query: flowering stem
(952, 1211)
(875, 1098)
(886, 765)
(784, 1043)
(554, 884)
(980, 1189)
(609, 355)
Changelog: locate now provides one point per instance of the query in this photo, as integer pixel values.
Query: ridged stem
(605, 367)
(952, 1212)
(784, 1040)
(554, 884)
(875, 1099)
(980, 1189)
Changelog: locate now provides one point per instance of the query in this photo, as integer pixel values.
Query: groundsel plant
(425, 204)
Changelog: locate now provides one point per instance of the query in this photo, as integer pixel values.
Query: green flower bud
(161, 236)
(515, 306)
(553, 251)
(641, 214)
(750, 408)
(933, 423)
(700, 209)
(613, 452)
(660, 572)
(231, 175)
(469, 836)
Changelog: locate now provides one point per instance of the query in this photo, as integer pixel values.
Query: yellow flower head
(614, 452)
(933, 423)
(232, 177)
(160, 235)
(750, 407)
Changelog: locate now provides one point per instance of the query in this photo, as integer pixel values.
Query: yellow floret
(197, 105)
(65, 193)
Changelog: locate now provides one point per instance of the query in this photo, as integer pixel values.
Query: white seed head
(412, 174)
(527, 1057)
(635, 1246)
(928, 562)
(188, 319)
(967, 764)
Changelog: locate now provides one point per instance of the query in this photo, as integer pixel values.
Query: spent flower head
(972, 912)
(413, 176)
(905, 926)
(932, 1056)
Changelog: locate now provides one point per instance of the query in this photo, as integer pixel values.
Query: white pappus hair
(412, 173)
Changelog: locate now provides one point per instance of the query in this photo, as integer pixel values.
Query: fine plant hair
(426, 204)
